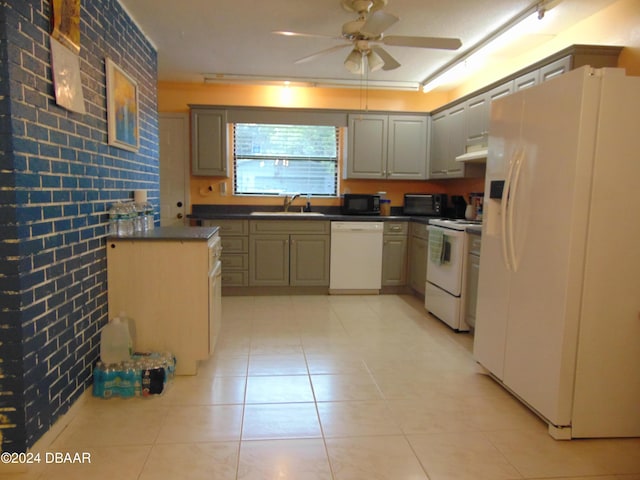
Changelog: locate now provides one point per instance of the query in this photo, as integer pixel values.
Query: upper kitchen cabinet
(542, 74)
(461, 128)
(448, 140)
(478, 113)
(392, 147)
(209, 142)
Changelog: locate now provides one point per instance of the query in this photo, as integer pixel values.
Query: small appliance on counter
(459, 206)
(360, 204)
(425, 204)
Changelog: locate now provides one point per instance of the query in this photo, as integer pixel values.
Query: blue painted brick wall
(58, 177)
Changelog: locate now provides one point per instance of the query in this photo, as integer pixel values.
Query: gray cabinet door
(457, 140)
(554, 69)
(473, 273)
(407, 147)
(269, 260)
(439, 145)
(367, 148)
(309, 260)
(477, 119)
(418, 264)
(394, 260)
(209, 142)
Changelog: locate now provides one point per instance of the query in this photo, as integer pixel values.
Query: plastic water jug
(131, 325)
(115, 342)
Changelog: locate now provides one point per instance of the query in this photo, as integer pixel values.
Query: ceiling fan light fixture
(354, 62)
(374, 61)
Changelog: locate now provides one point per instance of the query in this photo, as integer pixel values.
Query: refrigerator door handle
(505, 209)
(519, 161)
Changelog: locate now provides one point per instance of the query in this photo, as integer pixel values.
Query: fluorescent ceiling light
(223, 78)
(526, 22)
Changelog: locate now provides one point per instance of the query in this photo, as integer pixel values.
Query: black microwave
(425, 204)
(360, 204)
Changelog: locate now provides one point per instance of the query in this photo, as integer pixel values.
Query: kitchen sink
(299, 214)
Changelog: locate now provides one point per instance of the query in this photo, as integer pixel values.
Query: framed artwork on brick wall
(122, 108)
(65, 23)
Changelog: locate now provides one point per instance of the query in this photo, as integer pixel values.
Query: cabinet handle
(179, 215)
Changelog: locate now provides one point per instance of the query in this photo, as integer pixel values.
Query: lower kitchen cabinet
(394, 254)
(269, 260)
(309, 260)
(418, 250)
(234, 235)
(289, 253)
(171, 289)
(473, 273)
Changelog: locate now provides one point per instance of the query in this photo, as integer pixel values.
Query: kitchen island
(168, 281)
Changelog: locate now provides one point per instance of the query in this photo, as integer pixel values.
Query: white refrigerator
(558, 313)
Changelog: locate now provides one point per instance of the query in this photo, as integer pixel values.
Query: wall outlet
(223, 188)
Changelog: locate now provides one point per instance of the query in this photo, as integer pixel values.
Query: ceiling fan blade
(390, 63)
(298, 34)
(377, 22)
(423, 42)
(322, 52)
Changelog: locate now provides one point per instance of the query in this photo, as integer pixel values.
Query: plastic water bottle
(115, 342)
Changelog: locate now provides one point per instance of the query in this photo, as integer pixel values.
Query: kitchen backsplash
(395, 189)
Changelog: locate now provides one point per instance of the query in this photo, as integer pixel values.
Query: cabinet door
(269, 260)
(367, 146)
(528, 80)
(555, 68)
(473, 273)
(309, 257)
(418, 264)
(209, 142)
(457, 140)
(394, 260)
(439, 145)
(477, 119)
(407, 147)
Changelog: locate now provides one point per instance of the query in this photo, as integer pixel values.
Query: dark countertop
(243, 212)
(171, 233)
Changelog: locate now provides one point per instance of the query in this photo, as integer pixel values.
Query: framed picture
(65, 23)
(122, 108)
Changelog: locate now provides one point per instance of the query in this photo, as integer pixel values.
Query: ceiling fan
(366, 33)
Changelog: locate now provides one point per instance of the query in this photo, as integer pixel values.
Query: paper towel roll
(140, 196)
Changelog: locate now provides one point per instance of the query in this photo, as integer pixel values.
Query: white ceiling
(196, 38)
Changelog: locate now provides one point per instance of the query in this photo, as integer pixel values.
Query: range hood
(475, 153)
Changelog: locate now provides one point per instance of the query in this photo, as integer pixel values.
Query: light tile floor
(331, 388)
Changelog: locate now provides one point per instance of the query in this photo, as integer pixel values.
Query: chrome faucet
(288, 200)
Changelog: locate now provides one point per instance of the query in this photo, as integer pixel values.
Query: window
(285, 159)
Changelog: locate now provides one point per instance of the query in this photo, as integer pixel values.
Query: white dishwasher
(356, 257)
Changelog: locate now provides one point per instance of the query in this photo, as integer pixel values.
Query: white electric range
(446, 271)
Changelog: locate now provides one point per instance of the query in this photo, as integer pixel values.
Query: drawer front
(229, 227)
(396, 228)
(235, 244)
(419, 230)
(289, 226)
(235, 261)
(214, 248)
(235, 279)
